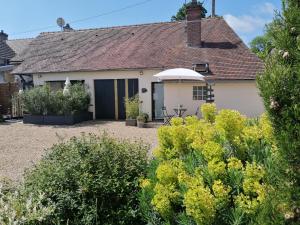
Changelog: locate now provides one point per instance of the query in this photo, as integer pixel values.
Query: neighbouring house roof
(11, 48)
(19, 45)
(5, 51)
(157, 45)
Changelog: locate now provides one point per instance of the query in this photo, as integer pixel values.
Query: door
(110, 97)
(157, 100)
(104, 99)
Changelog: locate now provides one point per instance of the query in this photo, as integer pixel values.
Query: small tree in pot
(142, 119)
(132, 110)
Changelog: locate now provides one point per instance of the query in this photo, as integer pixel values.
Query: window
(199, 93)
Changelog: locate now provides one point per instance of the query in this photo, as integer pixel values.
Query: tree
(181, 14)
(261, 46)
(279, 86)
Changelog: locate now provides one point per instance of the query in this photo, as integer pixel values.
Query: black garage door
(104, 99)
(110, 94)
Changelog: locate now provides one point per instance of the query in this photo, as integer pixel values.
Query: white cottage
(119, 62)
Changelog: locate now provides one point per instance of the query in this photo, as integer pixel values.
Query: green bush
(143, 117)
(43, 101)
(227, 172)
(90, 180)
(279, 86)
(132, 107)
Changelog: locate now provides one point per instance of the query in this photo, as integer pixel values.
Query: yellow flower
(212, 150)
(234, 163)
(216, 167)
(145, 183)
(200, 205)
(167, 172)
(165, 196)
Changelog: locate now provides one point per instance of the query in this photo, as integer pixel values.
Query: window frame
(199, 93)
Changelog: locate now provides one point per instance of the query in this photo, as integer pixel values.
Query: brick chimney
(3, 36)
(194, 25)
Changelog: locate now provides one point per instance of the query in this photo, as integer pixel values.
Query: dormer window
(202, 68)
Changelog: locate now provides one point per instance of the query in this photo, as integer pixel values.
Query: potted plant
(142, 119)
(62, 107)
(132, 110)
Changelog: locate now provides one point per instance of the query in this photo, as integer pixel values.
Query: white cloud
(245, 23)
(267, 8)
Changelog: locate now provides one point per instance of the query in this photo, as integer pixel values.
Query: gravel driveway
(22, 144)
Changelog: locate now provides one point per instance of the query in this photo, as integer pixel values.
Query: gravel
(21, 145)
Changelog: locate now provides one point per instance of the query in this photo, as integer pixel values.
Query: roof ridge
(20, 39)
(112, 27)
(127, 26)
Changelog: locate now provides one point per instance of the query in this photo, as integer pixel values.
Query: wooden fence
(7, 91)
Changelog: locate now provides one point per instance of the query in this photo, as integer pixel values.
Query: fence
(7, 91)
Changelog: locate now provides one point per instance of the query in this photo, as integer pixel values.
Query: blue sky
(246, 17)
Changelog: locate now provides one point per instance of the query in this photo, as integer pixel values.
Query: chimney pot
(3, 36)
(194, 24)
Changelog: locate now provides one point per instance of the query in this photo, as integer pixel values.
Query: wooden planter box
(58, 120)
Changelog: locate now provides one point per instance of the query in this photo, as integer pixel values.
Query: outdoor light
(141, 72)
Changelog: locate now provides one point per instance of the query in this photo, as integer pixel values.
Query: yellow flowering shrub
(206, 171)
(200, 205)
(212, 150)
(230, 123)
(234, 164)
(209, 111)
(221, 193)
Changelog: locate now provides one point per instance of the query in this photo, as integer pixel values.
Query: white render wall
(181, 94)
(239, 95)
(145, 81)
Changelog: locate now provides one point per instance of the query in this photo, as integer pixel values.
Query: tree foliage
(279, 85)
(181, 14)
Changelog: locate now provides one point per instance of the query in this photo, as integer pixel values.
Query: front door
(157, 100)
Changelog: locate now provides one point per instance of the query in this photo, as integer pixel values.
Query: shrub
(43, 101)
(209, 111)
(90, 180)
(132, 107)
(143, 117)
(223, 173)
(279, 86)
(18, 209)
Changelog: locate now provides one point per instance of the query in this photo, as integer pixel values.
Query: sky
(27, 18)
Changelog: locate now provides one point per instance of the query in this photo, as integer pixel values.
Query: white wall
(239, 95)
(145, 81)
(181, 94)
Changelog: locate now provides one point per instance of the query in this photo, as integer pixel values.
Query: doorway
(157, 101)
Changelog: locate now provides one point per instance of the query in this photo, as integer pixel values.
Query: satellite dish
(60, 22)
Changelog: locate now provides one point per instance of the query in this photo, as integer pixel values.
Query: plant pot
(131, 122)
(141, 124)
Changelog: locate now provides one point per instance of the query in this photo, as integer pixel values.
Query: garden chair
(167, 117)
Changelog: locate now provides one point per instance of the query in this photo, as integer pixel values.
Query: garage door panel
(104, 99)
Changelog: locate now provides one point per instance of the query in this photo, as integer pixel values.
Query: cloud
(245, 23)
(267, 8)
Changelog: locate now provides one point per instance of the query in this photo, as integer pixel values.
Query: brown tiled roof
(159, 45)
(5, 51)
(18, 45)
